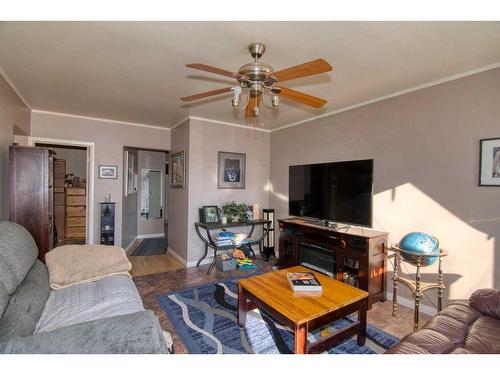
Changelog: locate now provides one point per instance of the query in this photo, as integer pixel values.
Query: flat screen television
(339, 192)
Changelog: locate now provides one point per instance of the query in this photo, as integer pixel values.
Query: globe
(419, 243)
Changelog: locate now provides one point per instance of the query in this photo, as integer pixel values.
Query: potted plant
(235, 211)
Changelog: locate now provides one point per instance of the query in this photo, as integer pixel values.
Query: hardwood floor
(151, 264)
(149, 285)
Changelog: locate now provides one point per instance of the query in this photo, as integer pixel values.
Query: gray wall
(129, 212)
(13, 113)
(205, 140)
(109, 139)
(76, 160)
(426, 150)
(150, 160)
(178, 198)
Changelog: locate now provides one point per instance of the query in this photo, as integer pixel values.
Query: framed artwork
(231, 170)
(108, 171)
(177, 170)
(209, 214)
(489, 162)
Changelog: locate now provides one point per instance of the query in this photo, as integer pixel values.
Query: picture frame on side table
(108, 171)
(177, 170)
(209, 214)
(489, 162)
(231, 170)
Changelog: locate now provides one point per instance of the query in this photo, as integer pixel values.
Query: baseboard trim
(127, 249)
(151, 235)
(193, 263)
(176, 256)
(426, 309)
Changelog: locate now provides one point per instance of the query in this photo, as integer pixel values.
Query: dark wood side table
(210, 242)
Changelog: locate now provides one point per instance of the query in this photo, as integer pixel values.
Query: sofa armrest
(486, 301)
(138, 332)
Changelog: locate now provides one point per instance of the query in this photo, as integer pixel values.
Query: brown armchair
(460, 328)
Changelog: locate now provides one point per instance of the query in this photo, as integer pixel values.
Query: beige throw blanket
(75, 264)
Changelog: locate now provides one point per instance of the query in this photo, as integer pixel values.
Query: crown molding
(394, 94)
(229, 124)
(13, 87)
(179, 123)
(99, 119)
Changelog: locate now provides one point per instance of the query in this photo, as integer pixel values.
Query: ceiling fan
(258, 78)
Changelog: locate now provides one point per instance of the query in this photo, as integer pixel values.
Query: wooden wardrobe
(31, 193)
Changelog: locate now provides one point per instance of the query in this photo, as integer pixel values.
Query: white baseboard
(426, 309)
(130, 245)
(176, 256)
(207, 260)
(151, 235)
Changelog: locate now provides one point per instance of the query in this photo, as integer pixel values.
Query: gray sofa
(106, 316)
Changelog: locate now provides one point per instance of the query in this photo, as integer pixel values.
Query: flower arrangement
(235, 211)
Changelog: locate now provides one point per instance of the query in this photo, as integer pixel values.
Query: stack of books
(224, 239)
(245, 263)
(304, 282)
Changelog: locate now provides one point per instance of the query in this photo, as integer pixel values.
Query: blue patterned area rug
(205, 318)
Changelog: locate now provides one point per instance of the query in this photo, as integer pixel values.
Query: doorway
(145, 200)
(72, 190)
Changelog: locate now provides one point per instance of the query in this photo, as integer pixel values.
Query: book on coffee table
(303, 282)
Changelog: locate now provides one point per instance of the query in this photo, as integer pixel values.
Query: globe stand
(416, 287)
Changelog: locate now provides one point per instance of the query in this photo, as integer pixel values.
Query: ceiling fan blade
(253, 102)
(205, 94)
(212, 69)
(303, 70)
(301, 97)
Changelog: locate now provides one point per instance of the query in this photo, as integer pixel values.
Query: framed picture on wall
(489, 162)
(108, 171)
(231, 170)
(177, 170)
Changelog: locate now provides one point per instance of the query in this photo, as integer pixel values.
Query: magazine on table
(304, 282)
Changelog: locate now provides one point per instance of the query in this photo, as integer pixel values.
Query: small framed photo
(231, 170)
(108, 171)
(209, 214)
(177, 170)
(489, 162)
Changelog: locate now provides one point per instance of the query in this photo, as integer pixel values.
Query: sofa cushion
(139, 332)
(486, 301)
(18, 252)
(4, 299)
(111, 296)
(26, 304)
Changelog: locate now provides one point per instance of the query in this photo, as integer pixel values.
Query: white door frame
(90, 175)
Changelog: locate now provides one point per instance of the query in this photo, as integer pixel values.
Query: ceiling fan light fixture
(257, 79)
(275, 101)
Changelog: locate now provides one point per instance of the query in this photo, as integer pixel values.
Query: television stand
(327, 224)
(355, 256)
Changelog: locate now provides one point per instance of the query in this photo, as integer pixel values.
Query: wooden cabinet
(353, 255)
(76, 210)
(31, 194)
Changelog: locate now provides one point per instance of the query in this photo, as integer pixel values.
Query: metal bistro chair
(416, 287)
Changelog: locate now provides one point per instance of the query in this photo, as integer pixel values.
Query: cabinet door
(287, 252)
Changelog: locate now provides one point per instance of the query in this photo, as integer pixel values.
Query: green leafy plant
(235, 211)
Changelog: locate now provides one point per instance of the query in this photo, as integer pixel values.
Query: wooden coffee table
(304, 312)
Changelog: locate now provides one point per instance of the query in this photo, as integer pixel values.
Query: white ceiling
(135, 71)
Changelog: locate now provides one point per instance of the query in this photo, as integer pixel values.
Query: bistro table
(210, 242)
